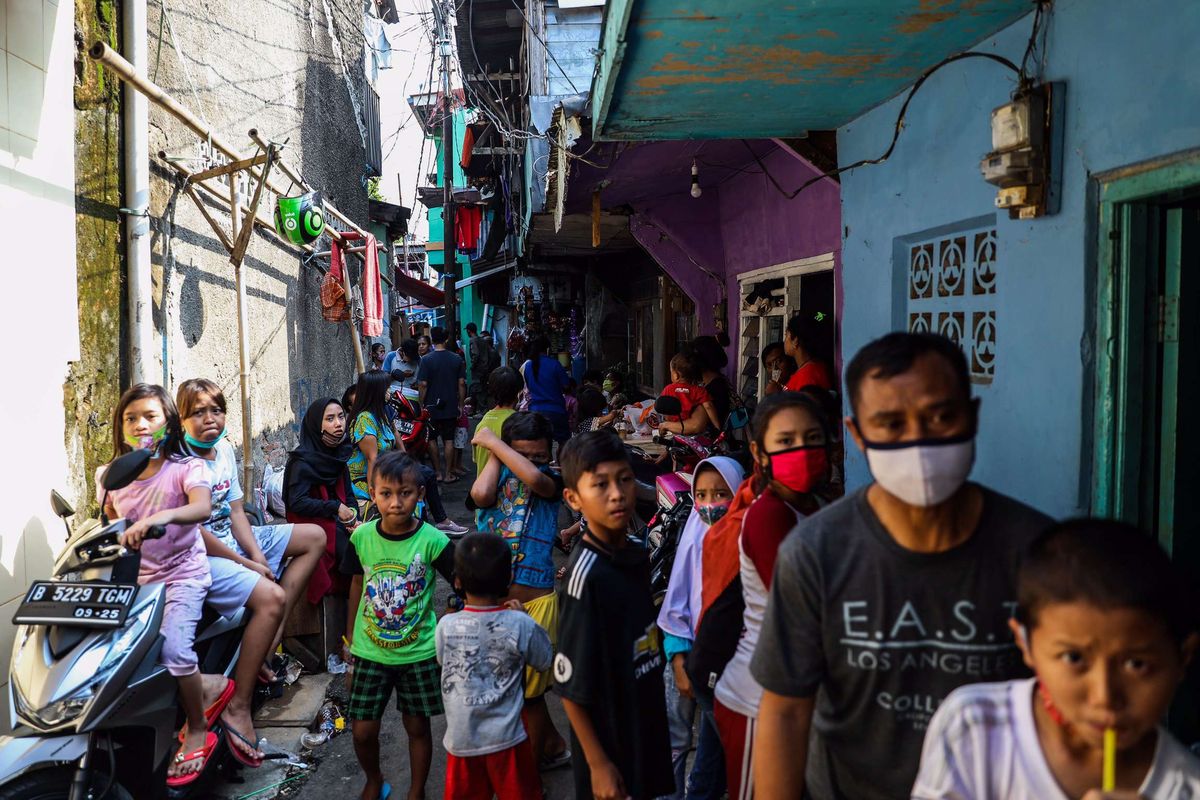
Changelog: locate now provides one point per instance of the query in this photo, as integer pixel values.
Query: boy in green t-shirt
(391, 621)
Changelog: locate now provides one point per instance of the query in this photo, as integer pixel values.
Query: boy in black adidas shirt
(609, 665)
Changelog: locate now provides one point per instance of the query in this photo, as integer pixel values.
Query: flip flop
(214, 711)
(245, 760)
(203, 753)
(385, 791)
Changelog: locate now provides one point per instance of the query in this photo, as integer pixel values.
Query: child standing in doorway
(391, 622)
(609, 668)
(484, 650)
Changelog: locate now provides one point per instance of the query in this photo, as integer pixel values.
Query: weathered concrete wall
(95, 379)
(288, 71)
(39, 325)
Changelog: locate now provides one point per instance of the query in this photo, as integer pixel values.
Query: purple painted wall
(739, 225)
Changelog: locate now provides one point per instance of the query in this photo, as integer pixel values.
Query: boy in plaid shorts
(392, 623)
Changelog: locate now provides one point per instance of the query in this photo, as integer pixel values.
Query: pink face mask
(800, 469)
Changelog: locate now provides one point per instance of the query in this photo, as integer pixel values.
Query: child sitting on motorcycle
(698, 411)
(172, 491)
(246, 561)
(713, 486)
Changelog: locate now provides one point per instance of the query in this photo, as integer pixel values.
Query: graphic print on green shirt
(395, 621)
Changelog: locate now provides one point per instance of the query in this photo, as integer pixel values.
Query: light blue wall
(1133, 93)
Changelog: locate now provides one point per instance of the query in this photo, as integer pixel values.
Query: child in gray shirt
(484, 650)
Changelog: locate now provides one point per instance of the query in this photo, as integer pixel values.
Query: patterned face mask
(711, 513)
(148, 441)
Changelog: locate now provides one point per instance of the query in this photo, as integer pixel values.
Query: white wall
(39, 331)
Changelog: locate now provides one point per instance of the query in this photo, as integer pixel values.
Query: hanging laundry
(467, 220)
(372, 290)
(468, 147)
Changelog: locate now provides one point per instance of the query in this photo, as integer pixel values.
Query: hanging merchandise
(372, 291)
(520, 284)
(300, 219)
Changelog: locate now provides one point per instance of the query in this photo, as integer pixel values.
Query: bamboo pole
(101, 52)
(239, 279)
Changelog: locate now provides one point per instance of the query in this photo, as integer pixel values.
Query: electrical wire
(895, 132)
(549, 52)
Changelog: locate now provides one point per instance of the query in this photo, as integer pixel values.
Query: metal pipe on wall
(136, 121)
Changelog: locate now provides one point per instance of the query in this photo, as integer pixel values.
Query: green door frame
(1125, 237)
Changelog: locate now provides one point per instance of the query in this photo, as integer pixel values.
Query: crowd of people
(923, 636)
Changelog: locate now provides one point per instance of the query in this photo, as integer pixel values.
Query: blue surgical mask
(197, 444)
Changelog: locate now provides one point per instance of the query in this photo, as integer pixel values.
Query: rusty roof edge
(613, 31)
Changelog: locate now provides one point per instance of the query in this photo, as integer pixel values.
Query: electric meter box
(1019, 124)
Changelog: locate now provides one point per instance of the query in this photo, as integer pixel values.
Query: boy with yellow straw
(1108, 628)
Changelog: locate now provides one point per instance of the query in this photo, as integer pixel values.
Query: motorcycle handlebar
(156, 532)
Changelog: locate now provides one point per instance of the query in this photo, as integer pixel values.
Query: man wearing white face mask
(886, 601)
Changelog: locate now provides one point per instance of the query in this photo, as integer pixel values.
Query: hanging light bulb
(696, 190)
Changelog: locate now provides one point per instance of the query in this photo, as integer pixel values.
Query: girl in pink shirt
(173, 491)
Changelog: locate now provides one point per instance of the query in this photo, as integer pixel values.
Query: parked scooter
(411, 422)
(93, 713)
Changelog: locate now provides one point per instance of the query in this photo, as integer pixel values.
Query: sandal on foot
(214, 711)
(385, 791)
(243, 758)
(203, 753)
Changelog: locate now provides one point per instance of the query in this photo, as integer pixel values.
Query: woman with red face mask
(790, 449)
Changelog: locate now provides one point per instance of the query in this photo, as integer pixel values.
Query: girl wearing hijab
(317, 487)
(714, 483)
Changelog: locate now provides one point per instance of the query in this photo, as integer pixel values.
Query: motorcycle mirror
(124, 470)
(668, 406)
(397, 376)
(62, 508)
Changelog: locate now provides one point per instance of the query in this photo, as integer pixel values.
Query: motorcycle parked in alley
(93, 713)
(411, 422)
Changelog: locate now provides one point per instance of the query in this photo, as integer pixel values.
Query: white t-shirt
(767, 522)
(983, 743)
(226, 489)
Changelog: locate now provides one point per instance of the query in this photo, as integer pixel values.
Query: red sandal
(210, 744)
(214, 711)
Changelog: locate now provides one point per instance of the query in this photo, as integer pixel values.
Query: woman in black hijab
(317, 488)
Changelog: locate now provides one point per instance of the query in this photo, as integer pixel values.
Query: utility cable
(895, 132)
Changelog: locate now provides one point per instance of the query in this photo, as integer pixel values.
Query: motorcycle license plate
(404, 427)
(83, 604)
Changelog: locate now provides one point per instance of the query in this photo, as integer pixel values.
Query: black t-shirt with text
(610, 661)
(881, 634)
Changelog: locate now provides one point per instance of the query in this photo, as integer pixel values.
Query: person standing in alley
(442, 379)
(484, 359)
(886, 601)
(485, 650)
(547, 381)
(609, 666)
(394, 562)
